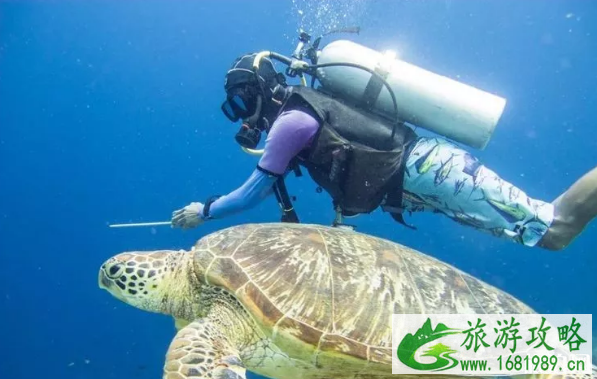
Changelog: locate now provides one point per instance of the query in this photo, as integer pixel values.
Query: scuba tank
(424, 99)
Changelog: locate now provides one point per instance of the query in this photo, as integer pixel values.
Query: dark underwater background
(110, 112)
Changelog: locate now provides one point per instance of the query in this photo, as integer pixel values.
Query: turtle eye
(114, 271)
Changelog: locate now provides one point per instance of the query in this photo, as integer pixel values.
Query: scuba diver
(366, 161)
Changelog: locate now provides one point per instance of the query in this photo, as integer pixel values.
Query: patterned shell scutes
(338, 286)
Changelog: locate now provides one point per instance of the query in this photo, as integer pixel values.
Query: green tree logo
(411, 343)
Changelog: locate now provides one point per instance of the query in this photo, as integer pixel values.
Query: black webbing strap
(395, 191)
(393, 203)
(288, 212)
(373, 88)
(281, 193)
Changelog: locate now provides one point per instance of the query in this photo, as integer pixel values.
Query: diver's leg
(574, 209)
(447, 179)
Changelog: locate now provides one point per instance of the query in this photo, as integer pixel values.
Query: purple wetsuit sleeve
(254, 190)
(291, 132)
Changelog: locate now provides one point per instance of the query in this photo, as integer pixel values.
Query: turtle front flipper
(200, 350)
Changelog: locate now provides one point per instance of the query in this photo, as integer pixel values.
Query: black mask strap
(251, 121)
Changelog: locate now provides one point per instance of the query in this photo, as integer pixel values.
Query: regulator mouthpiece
(248, 137)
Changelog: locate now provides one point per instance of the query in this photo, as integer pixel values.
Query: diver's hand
(188, 217)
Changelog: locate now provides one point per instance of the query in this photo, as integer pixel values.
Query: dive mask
(239, 104)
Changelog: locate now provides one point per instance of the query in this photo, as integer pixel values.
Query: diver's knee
(555, 239)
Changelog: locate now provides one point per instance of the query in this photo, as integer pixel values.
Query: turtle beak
(103, 281)
(107, 284)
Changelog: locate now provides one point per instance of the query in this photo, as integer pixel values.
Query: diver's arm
(252, 192)
(291, 133)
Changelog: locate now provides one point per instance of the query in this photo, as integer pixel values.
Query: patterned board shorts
(442, 178)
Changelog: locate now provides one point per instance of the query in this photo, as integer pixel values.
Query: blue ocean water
(109, 112)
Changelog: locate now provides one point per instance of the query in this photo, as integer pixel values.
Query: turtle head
(156, 281)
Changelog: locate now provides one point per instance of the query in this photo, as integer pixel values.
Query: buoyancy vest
(353, 155)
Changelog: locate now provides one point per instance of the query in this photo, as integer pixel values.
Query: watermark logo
(492, 345)
(426, 335)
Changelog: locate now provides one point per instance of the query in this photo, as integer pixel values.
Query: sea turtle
(291, 301)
